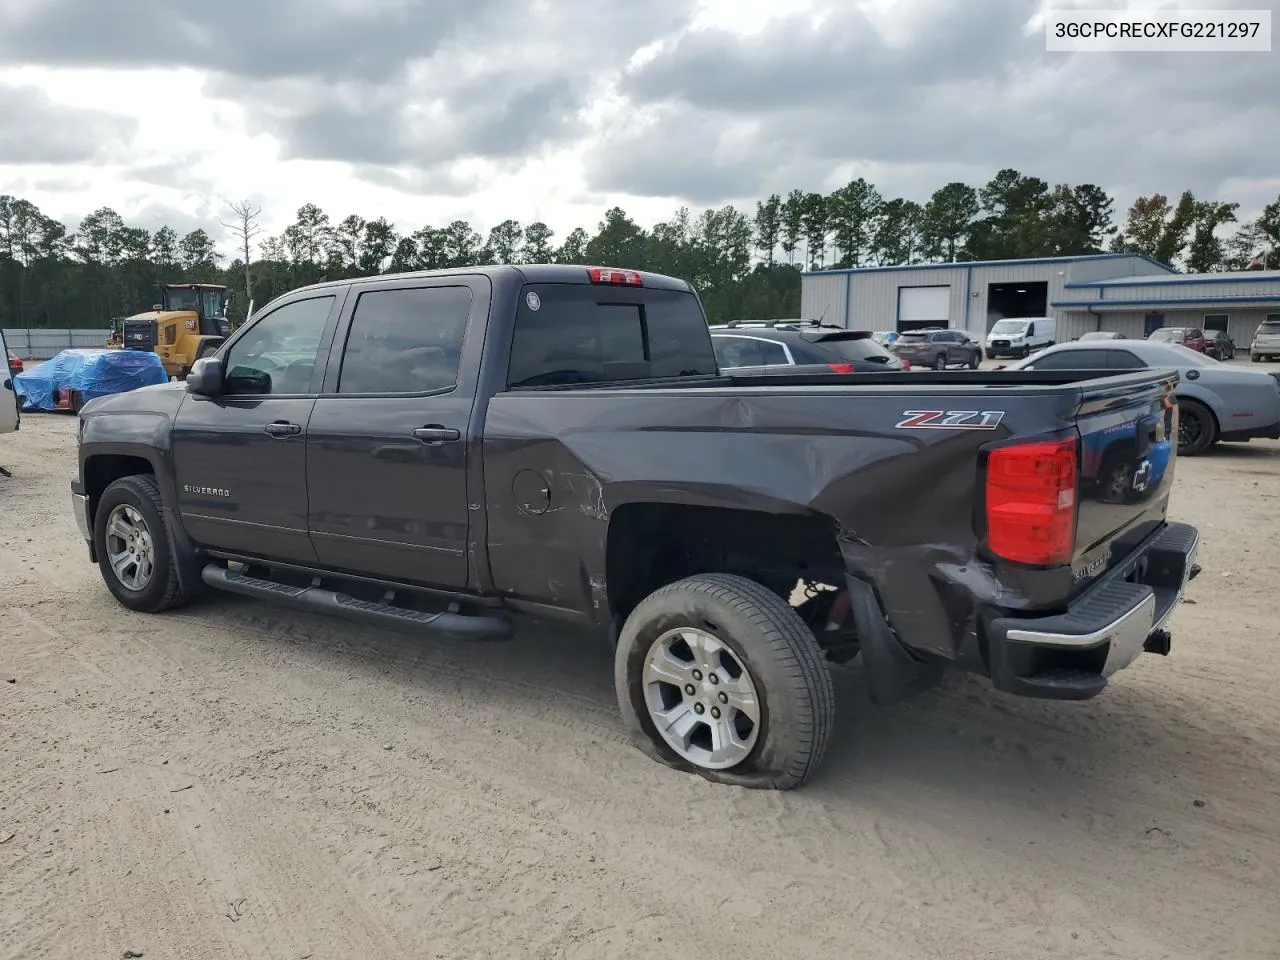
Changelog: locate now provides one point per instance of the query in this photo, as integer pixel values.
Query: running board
(460, 626)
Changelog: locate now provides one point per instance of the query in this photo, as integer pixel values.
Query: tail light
(840, 367)
(625, 278)
(1031, 502)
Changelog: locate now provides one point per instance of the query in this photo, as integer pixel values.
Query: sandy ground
(235, 781)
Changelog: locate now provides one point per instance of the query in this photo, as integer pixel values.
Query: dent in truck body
(903, 506)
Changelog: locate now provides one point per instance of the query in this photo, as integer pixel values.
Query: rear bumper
(1070, 656)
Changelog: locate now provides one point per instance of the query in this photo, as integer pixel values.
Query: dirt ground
(237, 781)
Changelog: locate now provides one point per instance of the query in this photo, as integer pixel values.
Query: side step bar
(457, 625)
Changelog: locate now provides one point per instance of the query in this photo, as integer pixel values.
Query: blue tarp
(95, 373)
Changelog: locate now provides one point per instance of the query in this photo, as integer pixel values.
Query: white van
(1019, 336)
(8, 399)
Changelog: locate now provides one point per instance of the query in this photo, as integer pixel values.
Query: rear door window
(1072, 360)
(749, 352)
(405, 340)
(579, 333)
(1124, 360)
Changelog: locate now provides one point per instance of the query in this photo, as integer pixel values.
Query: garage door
(918, 305)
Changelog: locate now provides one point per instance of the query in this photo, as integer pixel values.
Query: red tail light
(1031, 502)
(841, 367)
(626, 278)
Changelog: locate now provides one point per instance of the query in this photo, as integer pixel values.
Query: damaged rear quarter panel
(903, 502)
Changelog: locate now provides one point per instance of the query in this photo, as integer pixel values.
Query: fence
(40, 343)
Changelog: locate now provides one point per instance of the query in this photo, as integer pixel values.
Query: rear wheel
(1197, 431)
(940, 362)
(717, 675)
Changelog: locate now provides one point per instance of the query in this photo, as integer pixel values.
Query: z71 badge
(950, 419)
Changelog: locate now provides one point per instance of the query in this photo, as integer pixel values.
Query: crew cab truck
(444, 452)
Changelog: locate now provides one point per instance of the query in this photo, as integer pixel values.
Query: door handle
(435, 433)
(282, 428)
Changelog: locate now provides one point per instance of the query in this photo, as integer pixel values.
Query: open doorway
(1016, 300)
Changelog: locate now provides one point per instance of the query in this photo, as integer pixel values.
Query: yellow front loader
(188, 323)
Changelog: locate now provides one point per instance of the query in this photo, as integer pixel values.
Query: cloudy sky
(428, 110)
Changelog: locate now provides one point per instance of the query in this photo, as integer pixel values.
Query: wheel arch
(652, 544)
(101, 467)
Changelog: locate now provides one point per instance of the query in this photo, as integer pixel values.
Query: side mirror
(205, 378)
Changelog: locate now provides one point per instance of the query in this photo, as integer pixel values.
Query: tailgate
(1128, 443)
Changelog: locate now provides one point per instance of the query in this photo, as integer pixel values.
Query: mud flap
(893, 673)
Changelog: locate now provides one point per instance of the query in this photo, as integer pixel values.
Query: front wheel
(717, 675)
(1197, 431)
(974, 360)
(132, 543)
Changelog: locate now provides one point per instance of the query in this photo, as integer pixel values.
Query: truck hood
(161, 398)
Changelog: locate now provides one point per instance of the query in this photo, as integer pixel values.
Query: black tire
(940, 362)
(165, 589)
(975, 361)
(990, 355)
(1024, 353)
(777, 649)
(1197, 430)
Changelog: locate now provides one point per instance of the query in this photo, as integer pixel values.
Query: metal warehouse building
(1129, 293)
(1134, 306)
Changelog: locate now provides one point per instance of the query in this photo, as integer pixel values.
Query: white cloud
(655, 104)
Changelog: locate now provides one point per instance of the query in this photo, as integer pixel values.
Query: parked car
(15, 361)
(1219, 345)
(1190, 337)
(77, 375)
(1216, 402)
(801, 346)
(462, 447)
(1020, 336)
(1266, 341)
(1101, 335)
(938, 349)
(10, 417)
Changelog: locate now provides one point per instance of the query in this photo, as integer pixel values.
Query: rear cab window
(569, 333)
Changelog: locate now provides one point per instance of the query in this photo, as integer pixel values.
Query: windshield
(1009, 326)
(913, 338)
(1168, 334)
(182, 300)
(1269, 328)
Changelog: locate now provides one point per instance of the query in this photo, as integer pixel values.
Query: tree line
(744, 264)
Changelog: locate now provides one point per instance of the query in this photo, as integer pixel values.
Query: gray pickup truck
(444, 452)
